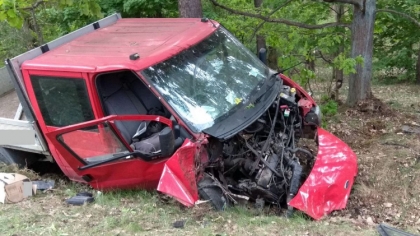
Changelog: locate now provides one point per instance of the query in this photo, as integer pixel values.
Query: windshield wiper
(268, 83)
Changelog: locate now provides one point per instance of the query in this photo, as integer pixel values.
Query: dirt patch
(386, 188)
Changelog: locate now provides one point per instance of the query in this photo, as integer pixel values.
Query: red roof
(109, 48)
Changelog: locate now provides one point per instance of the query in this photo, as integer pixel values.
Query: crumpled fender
(178, 175)
(328, 186)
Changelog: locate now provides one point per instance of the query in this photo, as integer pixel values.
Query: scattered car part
(80, 199)
(179, 224)
(44, 185)
(387, 230)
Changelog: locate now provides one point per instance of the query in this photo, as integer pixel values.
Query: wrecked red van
(177, 105)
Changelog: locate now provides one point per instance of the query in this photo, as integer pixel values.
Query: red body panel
(179, 176)
(328, 186)
(132, 173)
(109, 48)
(300, 91)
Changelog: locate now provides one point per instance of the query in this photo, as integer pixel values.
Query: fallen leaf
(388, 204)
(369, 221)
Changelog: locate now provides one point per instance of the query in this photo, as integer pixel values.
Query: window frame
(35, 77)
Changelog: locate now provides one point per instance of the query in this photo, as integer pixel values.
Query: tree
(361, 45)
(362, 28)
(23, 13)
(362, 41)
(397, 41)
(140, 8)
(190, 8)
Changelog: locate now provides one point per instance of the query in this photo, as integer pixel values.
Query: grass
(388, 173)
(136, 212)
(142, 213)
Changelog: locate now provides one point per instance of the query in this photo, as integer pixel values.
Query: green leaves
(3, 15)
(396, 41)
(348, 65)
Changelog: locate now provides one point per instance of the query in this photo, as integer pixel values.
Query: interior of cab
(123, 93)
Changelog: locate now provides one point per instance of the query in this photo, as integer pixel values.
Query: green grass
(144, 213)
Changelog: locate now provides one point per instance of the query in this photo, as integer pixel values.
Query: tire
(208, 190)
(14, 157)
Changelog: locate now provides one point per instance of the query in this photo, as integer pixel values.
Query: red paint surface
(132, 173)
(305, 105)
(179, 177)
(109, 48)
(299, 90)
(328, 186)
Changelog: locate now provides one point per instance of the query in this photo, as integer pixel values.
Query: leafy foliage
(397, 40)
(15, 11)
(141, 8)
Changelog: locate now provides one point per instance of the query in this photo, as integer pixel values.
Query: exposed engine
(261, 163)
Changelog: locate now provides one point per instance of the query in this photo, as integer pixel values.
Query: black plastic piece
(312, 118)
(177, 131)
(204, 19)
(387, 230)
(79, 200)
(167, 142)
(87, 178)
(134, 56)
(45, 48)
(179, 224)
(262, 55)
(84, 194)
(96, 25)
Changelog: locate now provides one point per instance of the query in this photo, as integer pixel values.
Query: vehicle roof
(109, 48)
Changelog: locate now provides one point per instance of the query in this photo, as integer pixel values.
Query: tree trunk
(260, 40)
(418, 68)
(190, 9)
(273, 58)
(338, 75)
(362, 45)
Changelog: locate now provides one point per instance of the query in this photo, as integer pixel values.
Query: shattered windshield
(207, 80)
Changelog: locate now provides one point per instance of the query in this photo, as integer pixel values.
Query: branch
(400, 14)
(279, 20)
(357, 3)
(325, 59)
(269, 14)
(34, 6)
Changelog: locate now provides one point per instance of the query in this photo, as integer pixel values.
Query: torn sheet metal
(328, 186)
(178, 176)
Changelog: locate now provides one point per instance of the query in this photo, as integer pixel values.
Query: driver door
(91, 149)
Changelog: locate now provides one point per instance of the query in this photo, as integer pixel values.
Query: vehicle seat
(150, 101)
(120, 100)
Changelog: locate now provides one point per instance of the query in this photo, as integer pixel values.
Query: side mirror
(167, 142)
(262, 55)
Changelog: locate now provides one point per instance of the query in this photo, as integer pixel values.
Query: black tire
(10, 157)
(208, 190)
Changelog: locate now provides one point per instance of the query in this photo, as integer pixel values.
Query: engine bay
(263, 163)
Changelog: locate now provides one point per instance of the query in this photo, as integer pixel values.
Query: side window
(62, 101)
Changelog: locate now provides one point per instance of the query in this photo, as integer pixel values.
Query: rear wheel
(22, 159)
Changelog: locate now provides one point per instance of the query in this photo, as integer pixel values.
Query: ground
(386, 189)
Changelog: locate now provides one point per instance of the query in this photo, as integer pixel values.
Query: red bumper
(326, 189)
(328, 186)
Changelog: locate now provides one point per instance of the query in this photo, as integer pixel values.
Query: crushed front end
(265, 164)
